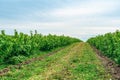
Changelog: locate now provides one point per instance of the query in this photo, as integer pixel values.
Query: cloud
(85, 9)
(78, 19)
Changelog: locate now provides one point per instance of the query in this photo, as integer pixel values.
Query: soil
(111, 66)
(18, 66)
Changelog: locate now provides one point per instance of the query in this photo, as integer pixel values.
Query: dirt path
(59, 67)
(80, 63)
(110, 66)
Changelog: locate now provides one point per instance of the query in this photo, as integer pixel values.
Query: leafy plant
(109, 44)
(12, 47)
(16, 59)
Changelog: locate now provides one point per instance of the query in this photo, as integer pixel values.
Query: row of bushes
(109, 44)
(20, 44)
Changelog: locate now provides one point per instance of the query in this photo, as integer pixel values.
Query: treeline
(15, 47)
(109, 44)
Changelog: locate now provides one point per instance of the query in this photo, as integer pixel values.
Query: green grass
(75, 62)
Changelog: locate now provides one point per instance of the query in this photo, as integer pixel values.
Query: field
(74, 62)
(51, 57)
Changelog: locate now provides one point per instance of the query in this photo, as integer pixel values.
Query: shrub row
(109, 44)
(20, 44)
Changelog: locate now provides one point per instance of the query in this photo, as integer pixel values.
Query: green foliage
(11, 46)
(109, 44)
(16, 59)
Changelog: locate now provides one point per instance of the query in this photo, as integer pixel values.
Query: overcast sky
(76, 18)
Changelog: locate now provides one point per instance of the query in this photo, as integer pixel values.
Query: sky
(76, 18)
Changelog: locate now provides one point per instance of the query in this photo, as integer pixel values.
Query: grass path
(75, 62)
